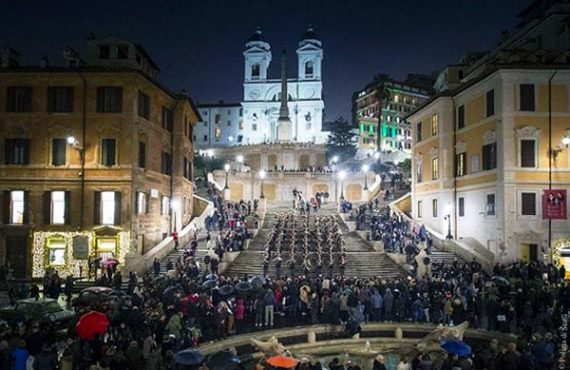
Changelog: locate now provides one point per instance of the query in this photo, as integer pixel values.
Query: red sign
(554, 204)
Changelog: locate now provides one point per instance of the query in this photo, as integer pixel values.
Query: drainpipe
(550, 155)
(82, 151)
(454, 141)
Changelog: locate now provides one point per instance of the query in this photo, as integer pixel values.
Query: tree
(382, 95)
(341, 141)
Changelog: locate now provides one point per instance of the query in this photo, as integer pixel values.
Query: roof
(141, 50)
(309, 34)
(256, 36)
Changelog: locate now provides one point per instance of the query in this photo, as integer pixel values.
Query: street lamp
(341, 176)
(239, 159)
(262, 174)
(227, 168)
(365, 169)
(448, 218)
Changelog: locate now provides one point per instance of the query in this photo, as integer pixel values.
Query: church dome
(310, 34)
(256, 36)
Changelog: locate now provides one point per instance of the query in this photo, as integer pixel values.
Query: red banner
(554, 204)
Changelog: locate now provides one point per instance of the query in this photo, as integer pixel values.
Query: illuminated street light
(365, 169)
(262, 174)
(341, 176)
(227, 168)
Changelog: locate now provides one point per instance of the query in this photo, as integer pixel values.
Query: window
(217, 133)
(19, 99)
(141, 203)
(461, 206)
(104, 51)
(142, 154)
(527, 97)
(490, 103)
(205, 137)
(166, 164)
(187, 169)
(218, 119)
(167, 119)
(434, 124)
(254, 127)
(419, 132)
(460, 164)
(58, 151)
(489, 156)
(18, 207)
(309, 69)
(60, 99)
(144, 105)
(109, 99)
(434, 207)
(528, 204)
(490, 206)
(420, 211)
(122, 51)
(240, 124)
(419, 172)
(255, 71)
(17, 151)
(229, 123)
(58, 207)
(435, 168)
(108, 152)
(460, 117)
(56, 249)
(528, 151)
(165, 205)
(108, 206)
(474, 163)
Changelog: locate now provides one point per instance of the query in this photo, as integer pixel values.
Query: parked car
(97, 297)
(46, 311)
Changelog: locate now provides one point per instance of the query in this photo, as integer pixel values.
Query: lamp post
(74, 143)
(262, 174)
(448, 218)
(239, 159)
(227, 168)
(365, 169)
(341, 176)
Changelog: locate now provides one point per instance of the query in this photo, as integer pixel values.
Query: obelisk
(283, 122)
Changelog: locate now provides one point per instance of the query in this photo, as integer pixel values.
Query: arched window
(255, 71)
(309, 69)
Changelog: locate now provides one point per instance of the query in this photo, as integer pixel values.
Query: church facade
(262, 95)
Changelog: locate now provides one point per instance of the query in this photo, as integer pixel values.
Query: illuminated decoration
(558, 256)
(42, 253)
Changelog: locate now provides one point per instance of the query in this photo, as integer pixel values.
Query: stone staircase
(361, 261)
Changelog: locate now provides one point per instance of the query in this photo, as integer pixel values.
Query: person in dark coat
(511, 360)
(46, 359)
(378, 363)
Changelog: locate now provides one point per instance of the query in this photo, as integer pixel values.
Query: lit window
(58, 207)
(434, 124)
(108, 207)
(56, 249)
(435, 168)
(17, 207)
(141, 202)
(165, 208)
(218, 132)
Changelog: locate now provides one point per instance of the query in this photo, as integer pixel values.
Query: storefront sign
(554, 204)
(80, 248)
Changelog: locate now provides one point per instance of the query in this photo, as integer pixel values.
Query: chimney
(9, 58)
(44, 62)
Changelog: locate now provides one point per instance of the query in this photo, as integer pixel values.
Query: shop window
(106, 248)
(56, 252)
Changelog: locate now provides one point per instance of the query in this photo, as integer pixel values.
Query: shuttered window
(60, 99)
(19, 99)
(58, 151)
(528, 153)
(17, 151)
(109, 99)
(528, 204)
(108, 152)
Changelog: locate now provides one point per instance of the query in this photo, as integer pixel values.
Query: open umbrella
(456, 347)
(282, 361)
(227, 290)
(209, 284)
(91, 324)
(243, 286)
(257, 281)
(223, 360)
(500, 281)
(188, 357)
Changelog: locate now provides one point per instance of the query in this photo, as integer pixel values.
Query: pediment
(309, 47)
(107, 230)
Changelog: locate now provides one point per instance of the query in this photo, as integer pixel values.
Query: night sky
(198, 43)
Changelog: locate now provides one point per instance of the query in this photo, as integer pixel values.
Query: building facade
(491, 165)
(395, 132)
(221, 126)
(262, 95)
(97, 161)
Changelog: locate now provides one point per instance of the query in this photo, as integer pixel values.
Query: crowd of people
(162, 314)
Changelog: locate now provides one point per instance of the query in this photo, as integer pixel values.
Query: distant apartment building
(395, 132)
(97, 158)
(221, 126)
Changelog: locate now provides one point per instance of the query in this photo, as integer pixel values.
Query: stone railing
(142, 263)
(313, 339)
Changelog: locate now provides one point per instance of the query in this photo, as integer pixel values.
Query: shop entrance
(529, 252)
(16, 254)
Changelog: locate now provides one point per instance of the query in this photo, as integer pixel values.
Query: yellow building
(97, 160)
